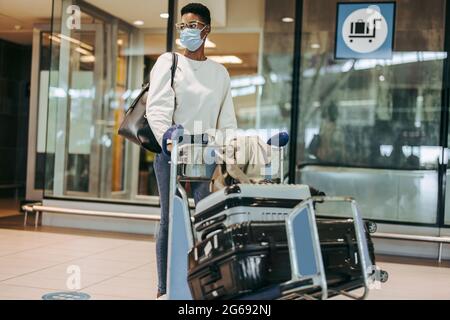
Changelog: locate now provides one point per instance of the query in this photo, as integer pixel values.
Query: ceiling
(23, 13)
(149, 11)
(226, 14)
(132, 10)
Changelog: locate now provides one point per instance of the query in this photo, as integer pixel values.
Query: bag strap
(173, 70)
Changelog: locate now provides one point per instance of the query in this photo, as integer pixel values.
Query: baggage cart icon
(362, 30)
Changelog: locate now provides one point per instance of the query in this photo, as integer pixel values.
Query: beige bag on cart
(242, 161)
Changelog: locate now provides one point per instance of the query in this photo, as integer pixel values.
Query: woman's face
(191, 17)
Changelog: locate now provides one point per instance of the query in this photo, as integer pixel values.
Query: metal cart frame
(308, 275)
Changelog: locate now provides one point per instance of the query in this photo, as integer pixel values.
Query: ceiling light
(315, 46)
(87, 59)
(17, 27)
(226, 59)
(120, 42)
(287, 19)
(56, 39)
(76, 41)
(164, 15)
(138, 23)
(82, 51)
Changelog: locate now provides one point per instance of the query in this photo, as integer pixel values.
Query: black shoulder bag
(135, 126)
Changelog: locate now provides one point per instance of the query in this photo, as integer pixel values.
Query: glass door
(117, 112)
(112, 147)
(87, 100)
(84, 111)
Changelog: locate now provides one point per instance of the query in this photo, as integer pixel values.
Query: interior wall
(15, 65)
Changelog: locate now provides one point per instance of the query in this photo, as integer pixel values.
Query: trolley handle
(185, 139)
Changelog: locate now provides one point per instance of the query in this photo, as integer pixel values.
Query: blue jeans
(199, 189)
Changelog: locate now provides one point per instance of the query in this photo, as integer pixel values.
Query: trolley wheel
(384, 276)
(371, 227)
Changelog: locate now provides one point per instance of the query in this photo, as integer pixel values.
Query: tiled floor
(35, 263)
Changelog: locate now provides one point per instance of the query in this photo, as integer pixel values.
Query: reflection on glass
(374, 114)
(118, 108)
(80, 98)
(43, 159)
(147, 185)
(447, 193)
(97, 70)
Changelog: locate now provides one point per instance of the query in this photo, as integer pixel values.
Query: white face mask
(191, 38)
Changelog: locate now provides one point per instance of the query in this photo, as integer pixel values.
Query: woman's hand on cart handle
(173, 133)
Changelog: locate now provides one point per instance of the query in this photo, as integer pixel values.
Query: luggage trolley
(308, 273)
(362, 30)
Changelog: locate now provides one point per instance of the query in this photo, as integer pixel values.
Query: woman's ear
(206, 31)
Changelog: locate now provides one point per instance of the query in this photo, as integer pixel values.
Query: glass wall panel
(156, 42)
(370, 128)
(100, 56)
(43, 159)
(118, 107)
(447, 190)
(98, 67)
(254, 40)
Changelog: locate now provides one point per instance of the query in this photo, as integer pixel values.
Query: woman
(202, 91)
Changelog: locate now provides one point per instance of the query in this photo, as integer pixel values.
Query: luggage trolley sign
(365, 30)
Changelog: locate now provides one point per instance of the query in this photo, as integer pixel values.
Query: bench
(39, 208)
(434, 239)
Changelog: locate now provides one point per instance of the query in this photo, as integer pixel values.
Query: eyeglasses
(190, 25)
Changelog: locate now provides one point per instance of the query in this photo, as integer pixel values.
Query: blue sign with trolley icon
(365, 30)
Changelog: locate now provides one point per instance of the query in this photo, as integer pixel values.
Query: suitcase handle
(208, 231)
(272, 250)
(352, 250)
(207, 223)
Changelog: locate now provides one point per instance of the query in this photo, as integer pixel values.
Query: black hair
(198, 9)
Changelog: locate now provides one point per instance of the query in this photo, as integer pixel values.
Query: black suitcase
(250, 256)
(359, 27)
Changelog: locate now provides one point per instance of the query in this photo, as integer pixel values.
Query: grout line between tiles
(116, 276)
(60, 263)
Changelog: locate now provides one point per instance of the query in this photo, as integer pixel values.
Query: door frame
(31, 192)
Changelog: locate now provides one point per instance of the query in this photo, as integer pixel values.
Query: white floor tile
(52, 282)
(21, 293)
(92, 265)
